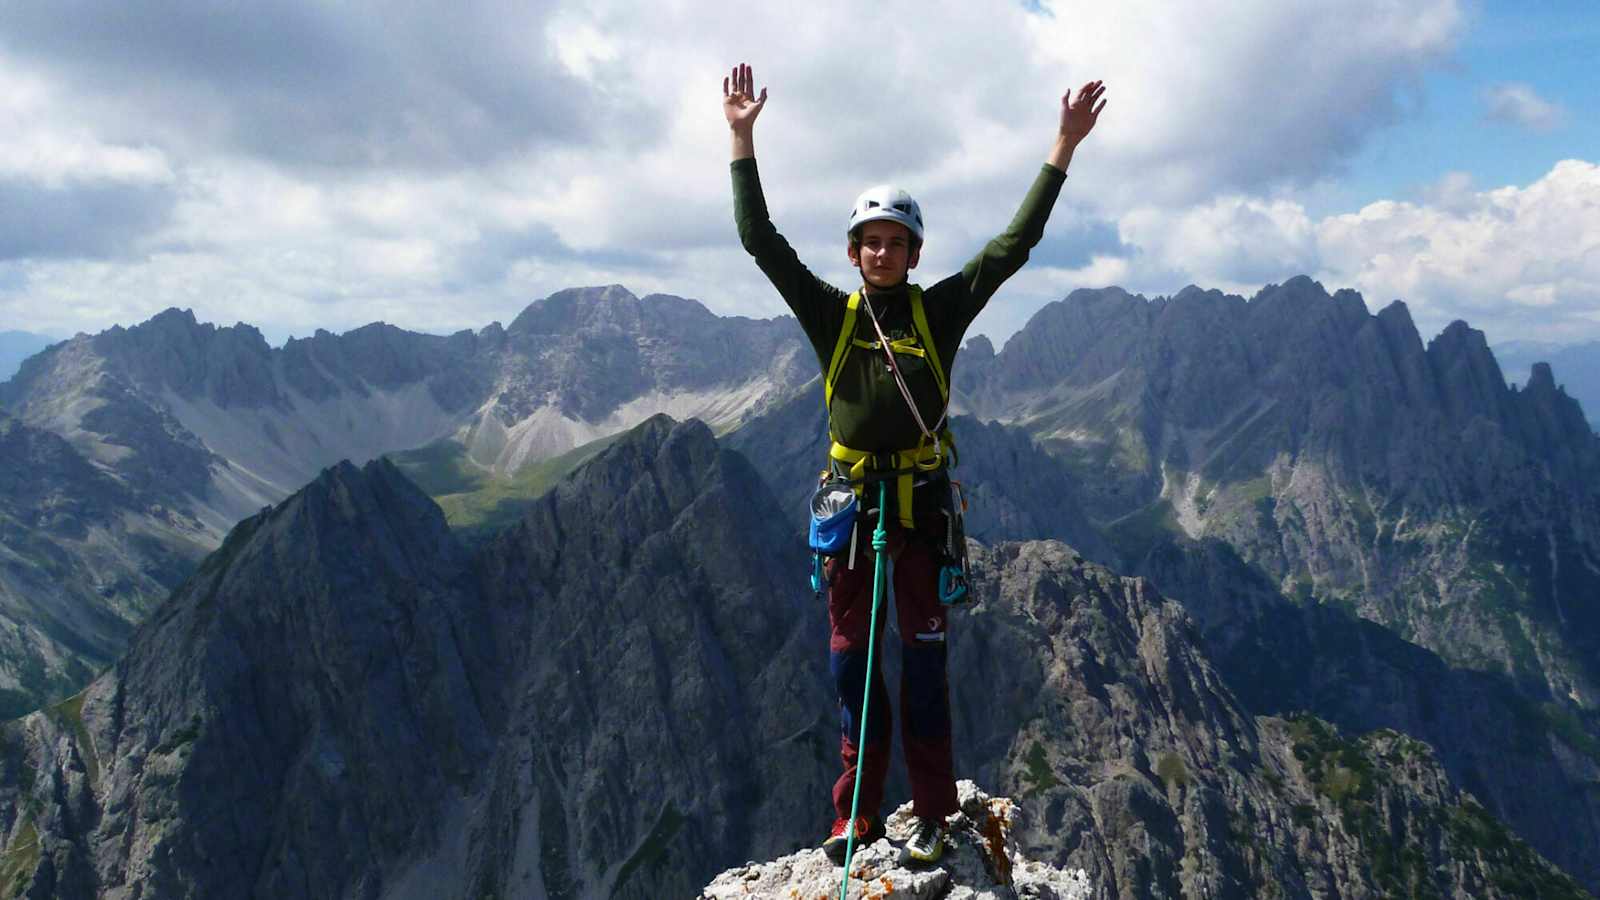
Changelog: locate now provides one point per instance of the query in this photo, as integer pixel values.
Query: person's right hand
(741, 105)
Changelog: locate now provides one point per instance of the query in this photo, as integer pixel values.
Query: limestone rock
(979, 863)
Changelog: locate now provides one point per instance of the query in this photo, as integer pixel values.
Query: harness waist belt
(864, 467)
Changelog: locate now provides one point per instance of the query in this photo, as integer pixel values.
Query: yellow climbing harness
(862, 466)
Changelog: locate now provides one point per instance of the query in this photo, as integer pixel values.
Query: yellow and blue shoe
(927, 841)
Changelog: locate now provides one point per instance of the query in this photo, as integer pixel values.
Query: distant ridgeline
(1375, 638)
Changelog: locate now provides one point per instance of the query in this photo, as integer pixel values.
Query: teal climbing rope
(880, 543)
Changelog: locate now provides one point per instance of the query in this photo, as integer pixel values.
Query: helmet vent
(887, 202)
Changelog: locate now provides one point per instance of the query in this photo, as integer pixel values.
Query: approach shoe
(867, 831)
(927, 841)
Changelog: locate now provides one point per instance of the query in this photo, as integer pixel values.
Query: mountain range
(197, 427)
(1375, 547)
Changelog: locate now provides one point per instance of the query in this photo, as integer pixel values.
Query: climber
(885, 352)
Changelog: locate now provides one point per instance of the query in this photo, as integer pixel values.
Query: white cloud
(1518, 262)
(580, 47)
(1519, 104)
(405, 215)
(1231, 243)
(40, 146)
(1215, 98)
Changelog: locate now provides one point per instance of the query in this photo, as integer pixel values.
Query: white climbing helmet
(886, 201)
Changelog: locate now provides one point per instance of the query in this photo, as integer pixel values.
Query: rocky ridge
(577, 365)
(979, 863)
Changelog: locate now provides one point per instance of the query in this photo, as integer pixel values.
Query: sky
(299, 166)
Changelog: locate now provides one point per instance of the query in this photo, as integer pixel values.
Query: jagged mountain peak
(658, 470)
(173, 317)
(1553, 418)
(1093, 303)
(174, 324)
(375, 495)
(610, 306)
(1396, 321)
(1194, 293)
(174, 351)
(345, 520)
(1470, 378)
(1460, 340)
(1302, 305)
(1541, 377)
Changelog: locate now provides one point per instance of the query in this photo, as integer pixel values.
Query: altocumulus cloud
(1519, 104)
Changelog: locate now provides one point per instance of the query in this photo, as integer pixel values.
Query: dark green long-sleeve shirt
(868, 412)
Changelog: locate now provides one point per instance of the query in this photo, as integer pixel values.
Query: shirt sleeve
(818, 305)
(1003, 256)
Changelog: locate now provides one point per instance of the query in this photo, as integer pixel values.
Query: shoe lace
(926, 833)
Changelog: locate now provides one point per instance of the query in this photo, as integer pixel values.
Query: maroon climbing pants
(924, 684)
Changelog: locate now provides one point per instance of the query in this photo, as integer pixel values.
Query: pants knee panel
(925, 691)
(849, 680)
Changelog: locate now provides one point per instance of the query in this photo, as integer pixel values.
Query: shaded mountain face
(623, 696)
(670, 697)
(70, 596)
(1090, 697)
(1531, 762)
(341, 694)
(278, 705)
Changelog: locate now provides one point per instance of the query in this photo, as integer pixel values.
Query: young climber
(888, 424)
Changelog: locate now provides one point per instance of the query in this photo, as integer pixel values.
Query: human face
(885, 254)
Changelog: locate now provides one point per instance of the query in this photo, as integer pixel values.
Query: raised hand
(1078, 116)
(740, 104)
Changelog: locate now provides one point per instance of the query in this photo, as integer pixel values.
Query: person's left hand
(1078, 116)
